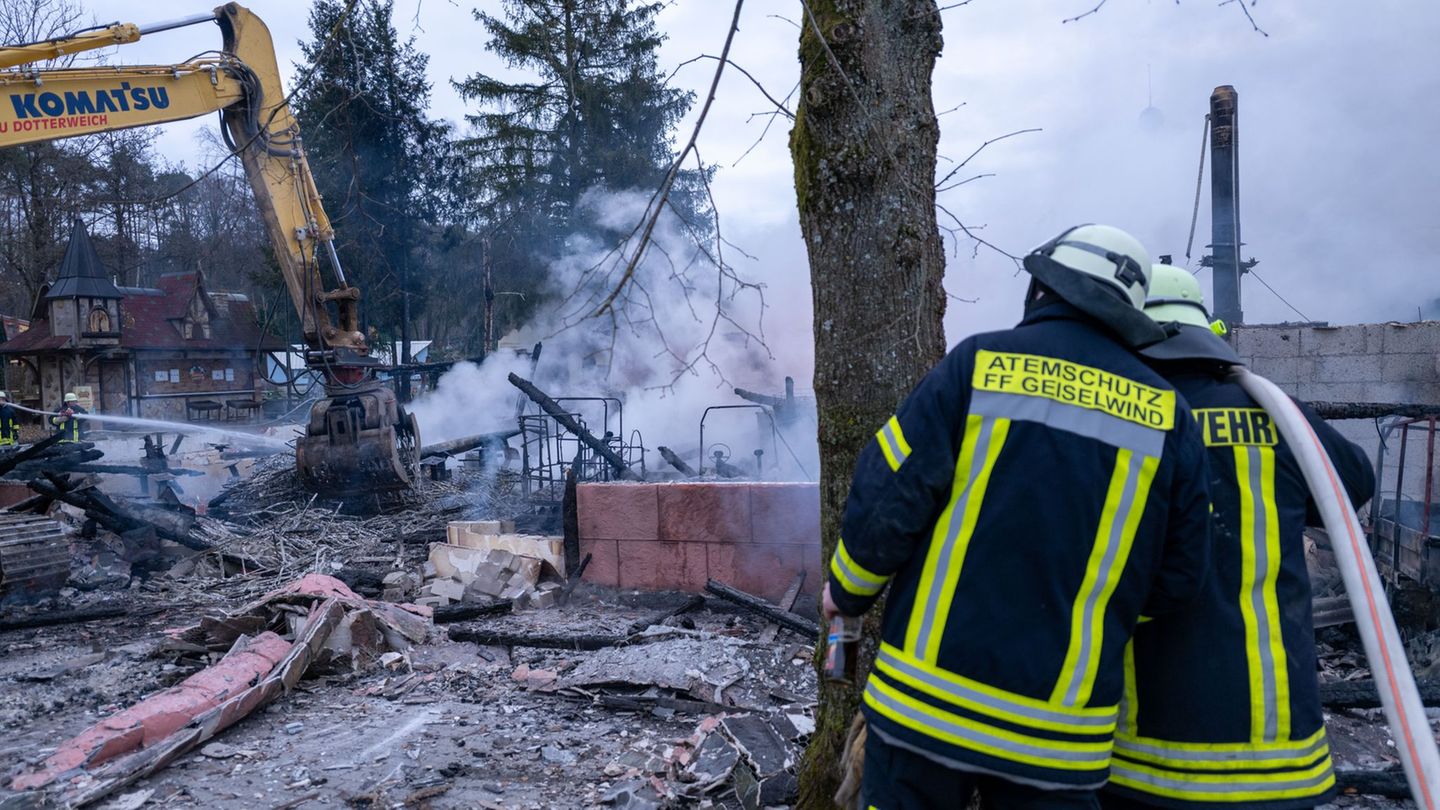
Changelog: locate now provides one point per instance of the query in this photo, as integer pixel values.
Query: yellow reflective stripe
(967, 732)
(1278, 659)
(1130, 703)
(852, 576)
(993, 701)
(893, 444)
(1265, 660)
(984, 436)
(1290, 754)
(1224, 787)
(1114, 537)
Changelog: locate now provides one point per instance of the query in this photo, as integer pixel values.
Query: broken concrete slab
(759, 743)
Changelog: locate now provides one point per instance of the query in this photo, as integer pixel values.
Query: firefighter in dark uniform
(9, 427)
(69, 428)
(1036, 493)
(1221, 707)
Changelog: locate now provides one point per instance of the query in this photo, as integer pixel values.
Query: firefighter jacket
(9, 428)
(1222, 708)
(69, 428)
(1037, 491)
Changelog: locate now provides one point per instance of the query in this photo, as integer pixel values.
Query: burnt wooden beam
(465, 611)
(59, 617)
(694, 601)
(110, 515)
(755, 604)
(787, 603)
(456, 446)
(497, 638)
(574, 580)
(551, 407)
(674, 460)
(1362, 694)
(1371, 410)
(760, 399)
(1390, 784)
(10, 462)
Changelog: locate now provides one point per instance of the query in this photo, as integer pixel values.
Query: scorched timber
(10, 462)
(675, 461)
(784, 618)
(568, 422)
(60, 617)
(1362, 694)
(540, 641)
(1371, 410)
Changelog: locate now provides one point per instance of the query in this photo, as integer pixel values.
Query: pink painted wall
(752, 536)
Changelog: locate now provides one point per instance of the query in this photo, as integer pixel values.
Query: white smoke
(667, 353)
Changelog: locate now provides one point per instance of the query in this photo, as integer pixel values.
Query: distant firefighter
(69, 428)
(9, 428)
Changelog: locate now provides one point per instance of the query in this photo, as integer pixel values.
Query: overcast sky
(1338, 140)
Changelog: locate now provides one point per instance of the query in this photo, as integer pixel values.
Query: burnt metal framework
(1403, 534)
(548, 450)
(718, 457)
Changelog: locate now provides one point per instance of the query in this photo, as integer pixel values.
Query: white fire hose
(1404, 710)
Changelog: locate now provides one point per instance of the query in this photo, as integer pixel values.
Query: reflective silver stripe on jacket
(1093, 424)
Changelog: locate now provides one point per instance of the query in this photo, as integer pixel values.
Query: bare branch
(961, 227)
(981, 148)
(779, 106)
(658, 204)
(1248, 16)
(1078, 17)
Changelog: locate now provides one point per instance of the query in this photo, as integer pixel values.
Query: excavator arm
(358, 439)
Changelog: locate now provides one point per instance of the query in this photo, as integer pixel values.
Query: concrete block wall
(1377, 362)
(753, 536)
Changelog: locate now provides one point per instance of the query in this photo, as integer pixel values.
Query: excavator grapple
(359, 440)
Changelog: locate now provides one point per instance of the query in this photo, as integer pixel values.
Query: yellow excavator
(358, 439)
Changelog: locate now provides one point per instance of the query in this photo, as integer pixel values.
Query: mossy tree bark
(864, 147)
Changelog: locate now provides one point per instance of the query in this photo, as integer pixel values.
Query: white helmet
(1102, 271)
(1175, 297)
(1177, 302)
(1106, 253)
(4, 395)
(70, 397)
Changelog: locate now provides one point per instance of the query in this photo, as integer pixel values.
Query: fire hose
(1399, 697)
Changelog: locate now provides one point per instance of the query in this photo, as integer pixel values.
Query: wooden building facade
(173, 351)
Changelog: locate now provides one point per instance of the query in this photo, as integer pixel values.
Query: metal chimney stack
(1225, 204)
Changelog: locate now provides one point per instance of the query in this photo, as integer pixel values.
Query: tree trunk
(864, 147)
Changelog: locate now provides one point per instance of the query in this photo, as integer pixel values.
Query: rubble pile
(268, 646)
(487, 560)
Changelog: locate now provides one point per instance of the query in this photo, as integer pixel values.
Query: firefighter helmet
(1176, 302)
(1175, 297)
(1102, 271)
(70, 397)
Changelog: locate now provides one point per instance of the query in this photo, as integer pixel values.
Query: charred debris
(447, 645)
(266, 646)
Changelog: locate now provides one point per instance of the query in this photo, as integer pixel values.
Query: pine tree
(379, 162)
(598, 114)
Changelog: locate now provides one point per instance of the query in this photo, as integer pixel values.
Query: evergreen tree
(598, 114)
(379, 162)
